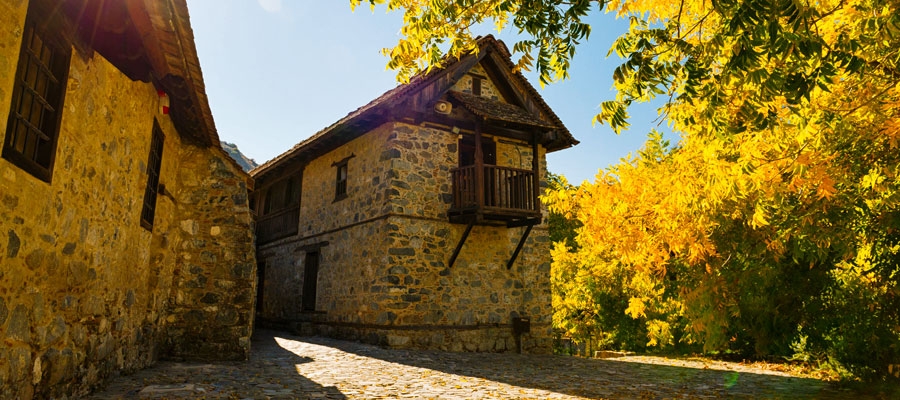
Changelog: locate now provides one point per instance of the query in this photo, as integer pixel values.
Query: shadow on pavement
(271, 372)
(596, 378)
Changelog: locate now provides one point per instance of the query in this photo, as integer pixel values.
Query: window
(281, 195)
(340, 188)
(32, 130)
(153, 166)
(476, 85)
(340, 185)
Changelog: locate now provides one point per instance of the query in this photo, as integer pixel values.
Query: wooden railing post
(479, 167)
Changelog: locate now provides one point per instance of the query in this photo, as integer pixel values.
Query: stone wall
(85, 291)
(210, 314)
(322, 219)
(478, 290)
(384, 277)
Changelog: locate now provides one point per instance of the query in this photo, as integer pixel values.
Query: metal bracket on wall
(462, 240)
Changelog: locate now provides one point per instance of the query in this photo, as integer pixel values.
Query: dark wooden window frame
(154, 164)
(342, 175)
(476, 85)
(39, 89)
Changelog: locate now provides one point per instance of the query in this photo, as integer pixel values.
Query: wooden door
(310, 280)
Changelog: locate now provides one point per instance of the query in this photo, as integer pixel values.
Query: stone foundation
(494, 339)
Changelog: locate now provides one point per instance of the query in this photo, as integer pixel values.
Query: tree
(772, 226)
(734, 60)
(562, 227)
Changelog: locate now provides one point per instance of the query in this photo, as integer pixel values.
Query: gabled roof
(337, 133)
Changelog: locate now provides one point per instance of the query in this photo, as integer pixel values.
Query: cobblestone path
(288, 367)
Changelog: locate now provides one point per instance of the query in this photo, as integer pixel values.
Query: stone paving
(288, 367)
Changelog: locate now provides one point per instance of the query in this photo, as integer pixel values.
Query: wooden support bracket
(462, 241)
(531, 222)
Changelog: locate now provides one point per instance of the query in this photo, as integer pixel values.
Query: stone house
(125, 231)
(414, 221)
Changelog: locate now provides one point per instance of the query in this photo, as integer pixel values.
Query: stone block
(4, 311)
(403, 251)
(35, 259)
(13, 244)
(397, 341)
(19, 324)
(59, 365)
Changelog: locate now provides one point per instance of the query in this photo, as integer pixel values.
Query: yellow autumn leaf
(759, 218)
(636, 308)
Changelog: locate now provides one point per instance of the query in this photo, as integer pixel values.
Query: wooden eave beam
(147, 32)
(501, 78)
(333, 139)
(184, 110)
(495, 128)
(273, 175)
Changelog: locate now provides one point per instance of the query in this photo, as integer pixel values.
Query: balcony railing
(277, 225)
(505, 191)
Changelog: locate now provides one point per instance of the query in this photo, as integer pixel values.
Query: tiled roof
(497, 110)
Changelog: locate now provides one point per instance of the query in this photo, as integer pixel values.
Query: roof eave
(296, 152)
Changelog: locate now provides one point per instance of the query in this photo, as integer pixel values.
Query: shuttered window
(32, 130)
(340, 183)
(148, 211)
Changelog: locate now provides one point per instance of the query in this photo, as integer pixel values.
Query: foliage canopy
(773, 226)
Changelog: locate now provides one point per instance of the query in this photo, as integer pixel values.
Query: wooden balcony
(277, 225)
(500, 194)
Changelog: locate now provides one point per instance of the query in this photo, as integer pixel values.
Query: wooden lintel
(462, 241)
(311, 247)
(523, 133)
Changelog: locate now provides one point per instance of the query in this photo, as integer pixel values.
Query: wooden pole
(479, 169)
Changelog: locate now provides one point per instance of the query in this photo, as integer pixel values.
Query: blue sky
(276, 72)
